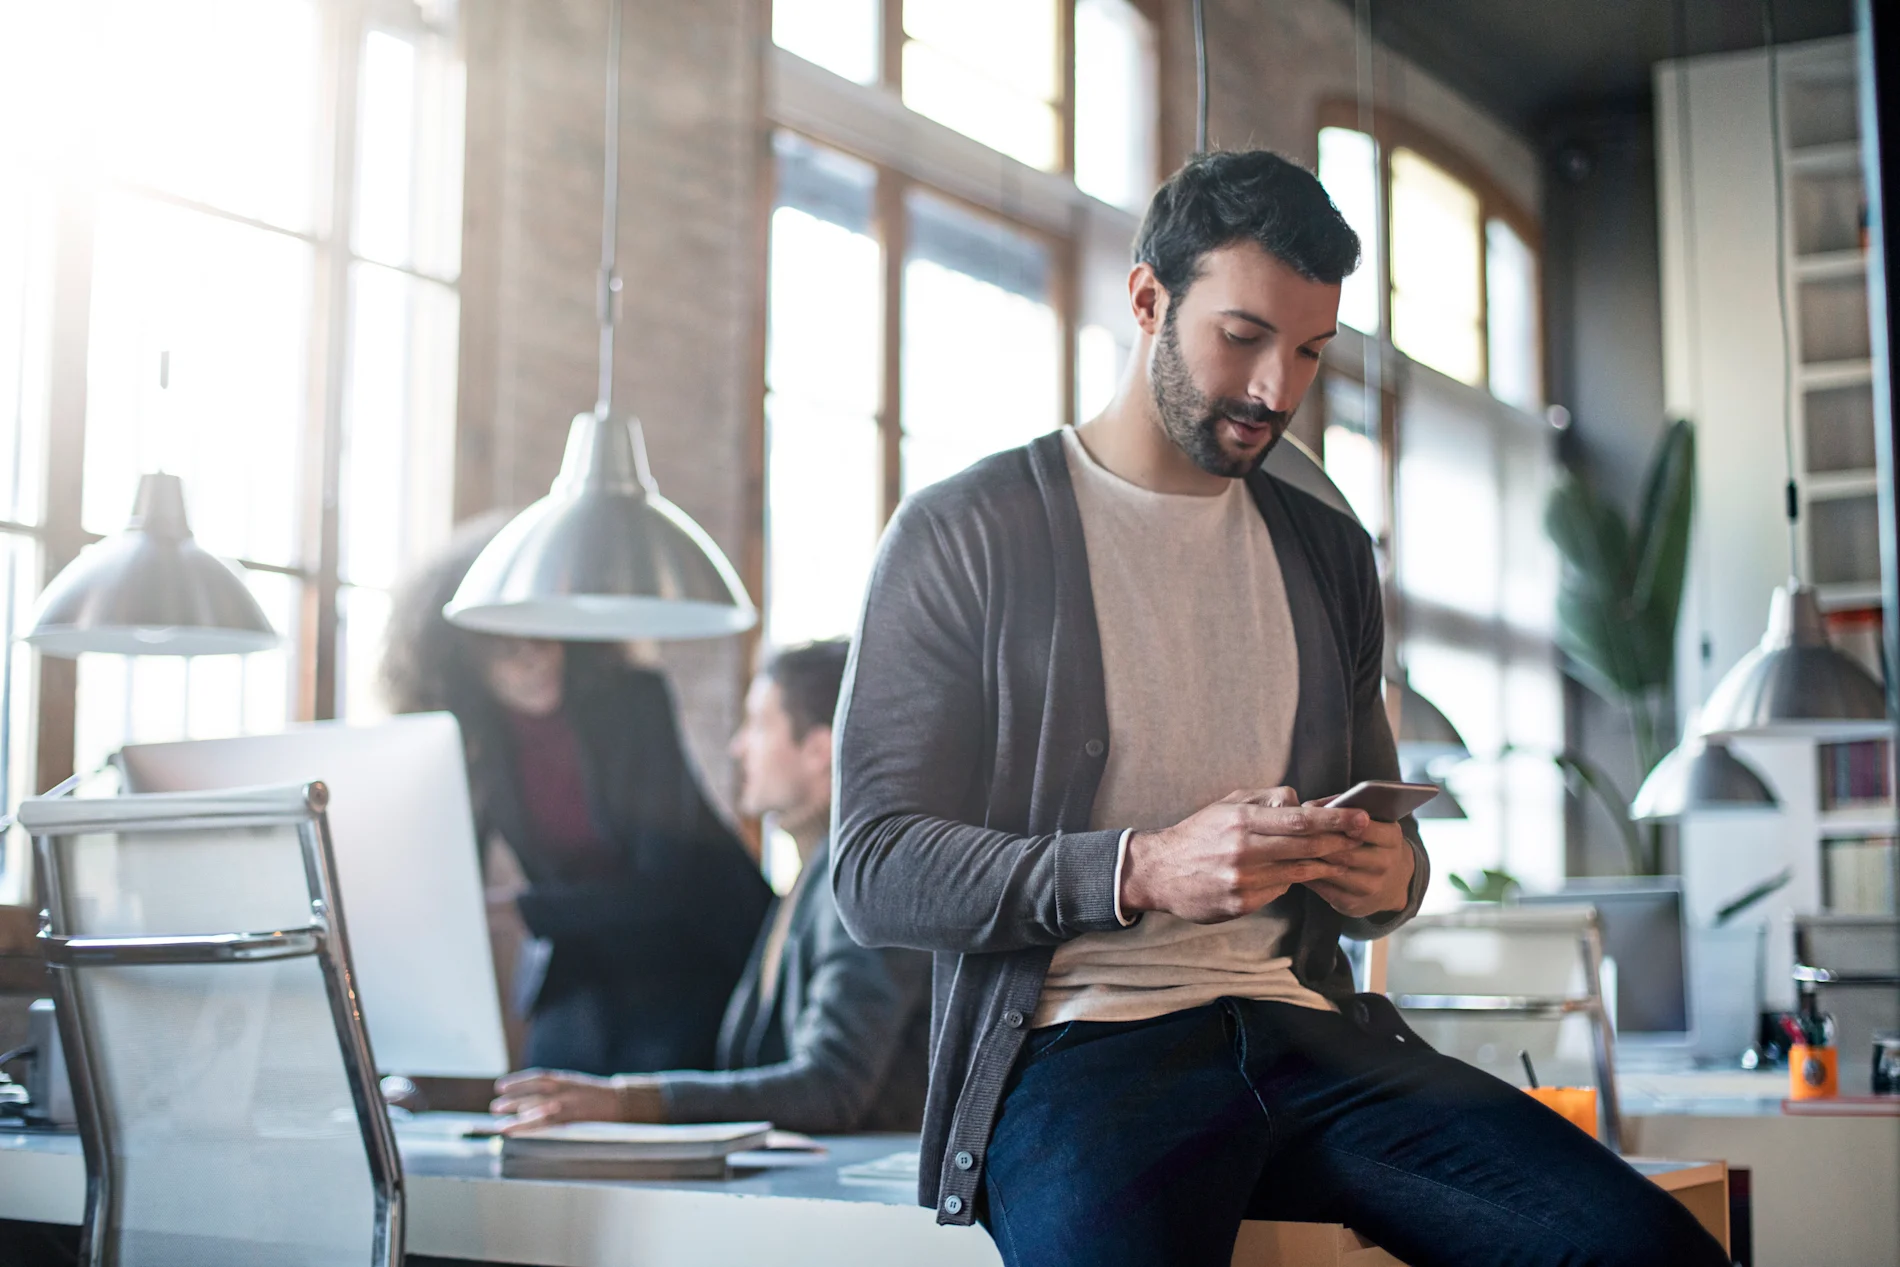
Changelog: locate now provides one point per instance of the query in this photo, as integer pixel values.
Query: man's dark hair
(1244, 196)
(808, 678)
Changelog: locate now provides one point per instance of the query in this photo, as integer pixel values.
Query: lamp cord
(609, 217)
(1781, 286)
(1200, 77)
(1692, 304)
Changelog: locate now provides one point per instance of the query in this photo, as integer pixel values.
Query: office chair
(227, 1098)
(1469, 980)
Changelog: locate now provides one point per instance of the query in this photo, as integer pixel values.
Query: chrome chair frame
(325, 938)
(1541, 1007)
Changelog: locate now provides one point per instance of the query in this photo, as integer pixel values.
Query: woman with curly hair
(642, 902)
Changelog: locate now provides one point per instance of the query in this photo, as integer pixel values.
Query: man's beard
(1192, 419)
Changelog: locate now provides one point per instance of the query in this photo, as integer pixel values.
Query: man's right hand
(1235, 856)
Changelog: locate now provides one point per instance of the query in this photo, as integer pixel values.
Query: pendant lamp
(1797, 682)
(603, 557)
(150, 590)
(1701, 776)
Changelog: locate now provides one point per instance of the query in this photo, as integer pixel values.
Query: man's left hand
(1378, 874)
(542, 1097)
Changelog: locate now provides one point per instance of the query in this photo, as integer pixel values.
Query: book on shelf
(1855, 775)
(629, 1150)
(1860, 875)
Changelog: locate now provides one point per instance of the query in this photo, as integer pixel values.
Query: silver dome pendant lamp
(603, 557)
(151, 589)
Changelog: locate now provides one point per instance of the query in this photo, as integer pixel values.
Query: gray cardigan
(841, 1044)
(972, 734)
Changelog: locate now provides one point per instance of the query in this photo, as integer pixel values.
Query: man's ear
(816, 745)
(1147, 298)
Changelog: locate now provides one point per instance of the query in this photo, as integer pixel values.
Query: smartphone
(1384, 802)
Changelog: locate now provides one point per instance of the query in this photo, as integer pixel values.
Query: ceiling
(1531, 61)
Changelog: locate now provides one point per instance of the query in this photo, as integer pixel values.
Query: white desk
(460, 1207)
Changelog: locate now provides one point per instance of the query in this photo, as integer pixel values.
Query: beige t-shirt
(1202, 677)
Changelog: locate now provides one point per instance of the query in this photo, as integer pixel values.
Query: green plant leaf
(1592, 598)
(1594, 778)
(1660, 549)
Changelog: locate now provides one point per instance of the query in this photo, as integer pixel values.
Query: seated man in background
(821, 1035)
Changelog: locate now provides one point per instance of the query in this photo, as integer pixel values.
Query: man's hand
(1377, 875)
(542, 1097)
(1239, 854)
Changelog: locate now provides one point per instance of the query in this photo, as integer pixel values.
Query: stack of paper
(628, 1150)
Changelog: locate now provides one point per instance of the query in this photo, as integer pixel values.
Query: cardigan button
(1013, 1019)
(953, 1204)
(963, 1160)
(1093, 747)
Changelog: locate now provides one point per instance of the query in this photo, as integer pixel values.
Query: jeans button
(1013, 1019)
(963, 1160)
(953, 1204)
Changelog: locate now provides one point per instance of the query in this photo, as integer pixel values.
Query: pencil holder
(1813, 1072)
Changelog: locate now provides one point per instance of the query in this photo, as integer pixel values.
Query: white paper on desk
(635, 1141)
(642, 1134)
(792, 1141)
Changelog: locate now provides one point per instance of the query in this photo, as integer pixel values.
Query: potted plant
(1617, 610)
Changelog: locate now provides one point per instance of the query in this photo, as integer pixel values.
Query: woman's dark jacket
(634, 970)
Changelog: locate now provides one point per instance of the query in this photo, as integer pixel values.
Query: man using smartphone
(1090, 675)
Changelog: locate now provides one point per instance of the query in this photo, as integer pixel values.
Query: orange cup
(1576, 1105)
(1813, 1072)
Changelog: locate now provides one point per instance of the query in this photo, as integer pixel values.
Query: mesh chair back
(224, 1081)
(1484, 984)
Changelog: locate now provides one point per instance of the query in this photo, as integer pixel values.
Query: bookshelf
(1728, 246)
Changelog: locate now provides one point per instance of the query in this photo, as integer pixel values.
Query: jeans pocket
(1041, 1042)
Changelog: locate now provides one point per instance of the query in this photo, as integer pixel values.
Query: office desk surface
(460, 1207)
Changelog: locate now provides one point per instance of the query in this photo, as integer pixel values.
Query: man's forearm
(935, 884)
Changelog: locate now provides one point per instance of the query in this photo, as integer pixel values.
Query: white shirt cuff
(1121, 856)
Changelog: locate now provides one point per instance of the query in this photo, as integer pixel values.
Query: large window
(258, 299)
(849, 430)
(1459, 270)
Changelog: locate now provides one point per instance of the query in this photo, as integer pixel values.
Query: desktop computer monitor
(407, 868)
(1643, 932)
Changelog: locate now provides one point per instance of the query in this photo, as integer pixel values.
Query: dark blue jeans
(1147, 1142)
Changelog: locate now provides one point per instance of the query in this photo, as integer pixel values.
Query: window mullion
(892, 232)
(323, 448)
(65, 460)
(891, 45)
(1065, 78)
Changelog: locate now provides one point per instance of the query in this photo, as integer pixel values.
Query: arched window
(1451, 268)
